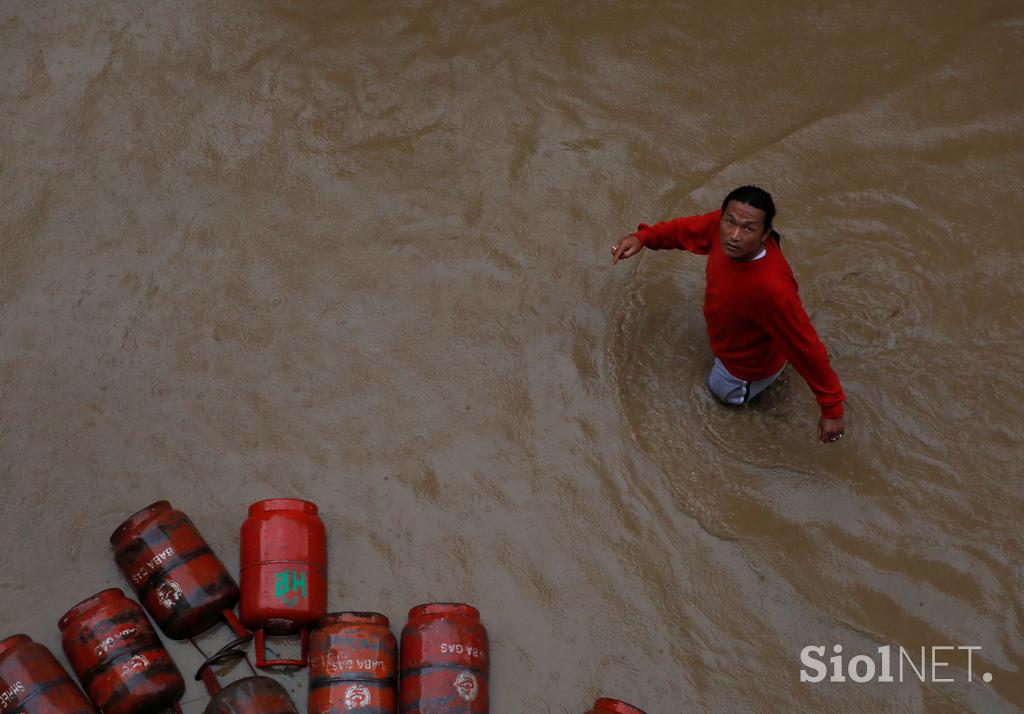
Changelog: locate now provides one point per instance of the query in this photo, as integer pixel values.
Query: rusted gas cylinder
(177, 578)
(283, 573)
(445, 661)
(252, 695)
(118, 656)
(32, 681)
(353, 664)
(613, 706)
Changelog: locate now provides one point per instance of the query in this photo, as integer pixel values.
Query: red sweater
(754, 316)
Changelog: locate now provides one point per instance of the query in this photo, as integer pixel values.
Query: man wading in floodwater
(756, 322)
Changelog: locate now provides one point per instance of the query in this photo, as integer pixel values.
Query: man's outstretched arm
(692, 233)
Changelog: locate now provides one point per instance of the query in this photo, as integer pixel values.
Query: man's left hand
(830, 430)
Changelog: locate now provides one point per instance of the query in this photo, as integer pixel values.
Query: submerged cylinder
(118, 657)
(445, 661)
(32, 681)
(353, 665)
(176, 576)
(613, 706)
(283, 572)
(252, 695)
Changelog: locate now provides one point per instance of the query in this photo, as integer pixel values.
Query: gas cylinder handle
(236, 645)
(216, 659)
(234, 623)
(233, 644)
(207, 675)
(205, 672)
(263, 662)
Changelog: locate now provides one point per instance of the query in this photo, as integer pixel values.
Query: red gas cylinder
(252, 695)
(445, 663)
(353, 664)
(182, 584)
(118, 656)
(283, 573)
(33, 682)
(613, 706)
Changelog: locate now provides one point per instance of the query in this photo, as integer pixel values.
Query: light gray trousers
(733, 391)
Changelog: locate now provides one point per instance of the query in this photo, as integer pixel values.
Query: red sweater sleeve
(692, 233)
(792, 330)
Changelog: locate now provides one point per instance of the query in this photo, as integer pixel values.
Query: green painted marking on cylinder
(287, 582)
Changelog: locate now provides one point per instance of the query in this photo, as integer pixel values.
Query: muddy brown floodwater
(357, 253)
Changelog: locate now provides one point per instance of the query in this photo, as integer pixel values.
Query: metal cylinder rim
(251, 677)
(283, 504)
(229, 689)
(226, 652)
(9, 643)
(615, 706)
(139, 518)
(354, 617)
(88, 604)
(457, 609)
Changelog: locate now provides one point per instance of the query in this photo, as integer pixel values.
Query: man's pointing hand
(627, 247)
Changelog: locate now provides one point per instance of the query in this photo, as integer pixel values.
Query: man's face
(741, 231)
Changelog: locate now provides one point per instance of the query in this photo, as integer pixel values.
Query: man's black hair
(758, 198)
